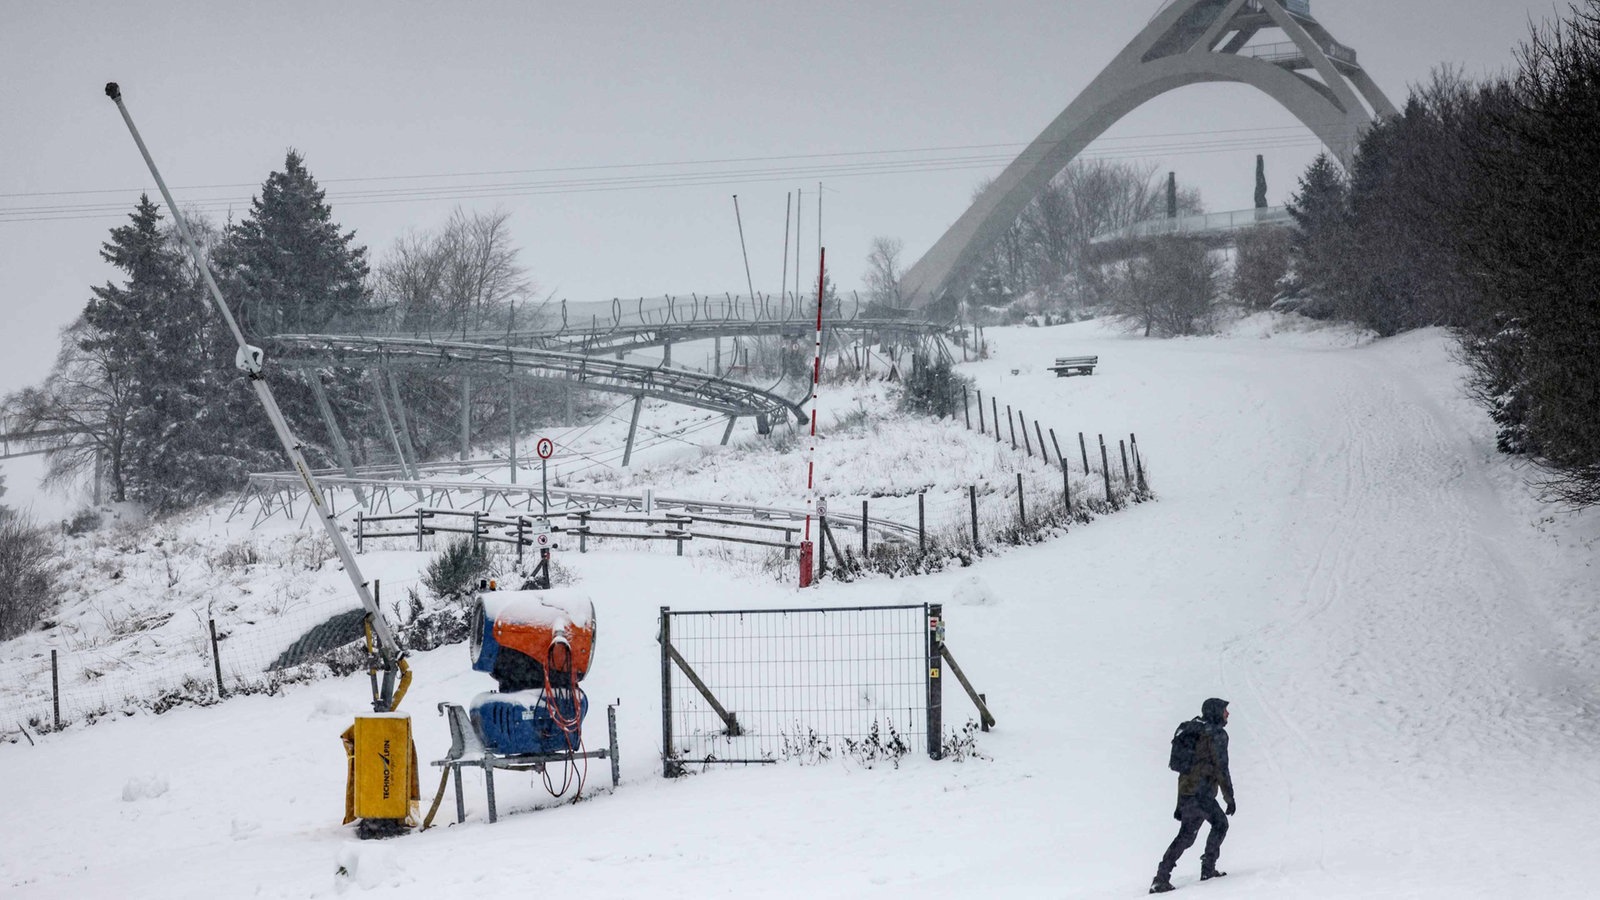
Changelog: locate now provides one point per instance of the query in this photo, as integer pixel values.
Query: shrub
(933, 388)
(28, 575)
(456, 570)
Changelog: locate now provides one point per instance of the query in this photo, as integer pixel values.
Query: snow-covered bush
(457, 568)
(28, 575)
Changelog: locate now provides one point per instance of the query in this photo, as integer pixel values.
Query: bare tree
(88, 396)
(884, 271)
(464, 277)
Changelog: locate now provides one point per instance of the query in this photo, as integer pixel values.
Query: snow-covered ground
(1407, 639)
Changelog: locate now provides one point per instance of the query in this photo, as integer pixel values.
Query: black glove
(1231, 807)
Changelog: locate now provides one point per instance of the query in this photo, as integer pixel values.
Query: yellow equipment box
(383, 767)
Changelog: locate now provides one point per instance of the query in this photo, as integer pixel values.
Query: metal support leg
(461, 804)
(405, 427)
(340, 448)
(466, 417)
(633, 428)
(728, 432)
(488, 781)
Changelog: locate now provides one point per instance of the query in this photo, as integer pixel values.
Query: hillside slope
(1407, 641)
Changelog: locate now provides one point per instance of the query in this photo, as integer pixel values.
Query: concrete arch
(1189, 42)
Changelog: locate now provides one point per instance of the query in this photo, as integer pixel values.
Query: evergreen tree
(1321, 214)
(290, 267)
(125, 335)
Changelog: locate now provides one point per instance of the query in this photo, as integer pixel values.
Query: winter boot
(1209, 872)
(1161, 885)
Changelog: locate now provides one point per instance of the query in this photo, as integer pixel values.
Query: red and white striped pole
(806, 546)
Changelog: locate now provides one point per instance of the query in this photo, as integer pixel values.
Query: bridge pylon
(1313, 76)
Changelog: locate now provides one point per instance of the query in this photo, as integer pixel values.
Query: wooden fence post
(1138, 464)
(982, 424)
(972, 496)
(1084, 449)
(1013, 426)
(1127, 482)
(1066, 490)
(922, 524)
(1105, 467)
(216, 659)
(1022, 511)
(966, 406)
(822, 546)
(1057, 446)
(863, 533)
(1026, 443)
(996, 410)
(55, 690)
(1039, 433)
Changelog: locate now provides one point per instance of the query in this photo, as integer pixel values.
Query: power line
(506, 189)
(691, 162)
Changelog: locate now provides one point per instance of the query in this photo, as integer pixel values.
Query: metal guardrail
(276, 491)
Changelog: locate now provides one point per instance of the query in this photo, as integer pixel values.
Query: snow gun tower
(537, 645)
(381, 776)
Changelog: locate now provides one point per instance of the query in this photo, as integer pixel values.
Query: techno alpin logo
(388, 769)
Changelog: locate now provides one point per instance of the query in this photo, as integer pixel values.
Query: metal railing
(1204, 222)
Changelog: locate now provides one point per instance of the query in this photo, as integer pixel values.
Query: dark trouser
(1191, 812)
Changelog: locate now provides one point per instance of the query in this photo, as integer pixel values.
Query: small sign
(543, 540)
(546, 448)
(822, 506)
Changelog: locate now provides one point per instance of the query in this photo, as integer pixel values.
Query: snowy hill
(1407, 639)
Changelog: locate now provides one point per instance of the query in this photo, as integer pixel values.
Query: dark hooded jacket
(1210, 770)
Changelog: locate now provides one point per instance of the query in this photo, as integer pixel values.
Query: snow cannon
(538, 645)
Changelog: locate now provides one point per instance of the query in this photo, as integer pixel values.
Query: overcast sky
(615, 134)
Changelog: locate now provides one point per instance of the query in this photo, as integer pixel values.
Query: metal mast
(249, 360)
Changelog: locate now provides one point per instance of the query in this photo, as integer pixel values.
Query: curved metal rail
(695, 389)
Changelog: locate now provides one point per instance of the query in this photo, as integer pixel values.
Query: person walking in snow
(1200, 756)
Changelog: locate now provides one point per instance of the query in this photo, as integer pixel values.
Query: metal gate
(764, 685)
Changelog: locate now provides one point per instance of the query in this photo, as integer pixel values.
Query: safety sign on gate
(546, 448)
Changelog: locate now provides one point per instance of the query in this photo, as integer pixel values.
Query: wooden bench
(467, 749)
(1074, 365)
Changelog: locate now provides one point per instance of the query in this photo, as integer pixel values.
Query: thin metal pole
(816, 378)
(783, 284)
(749, 285)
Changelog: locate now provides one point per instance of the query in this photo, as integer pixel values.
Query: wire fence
(763, 686)
(155, 662)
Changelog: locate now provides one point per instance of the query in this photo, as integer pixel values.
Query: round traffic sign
(545, 448)
(822, 506)
(542, 540)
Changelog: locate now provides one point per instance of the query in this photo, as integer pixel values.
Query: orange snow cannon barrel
(523, 637)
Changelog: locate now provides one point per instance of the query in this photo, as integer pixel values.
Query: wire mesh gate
(760, 686)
